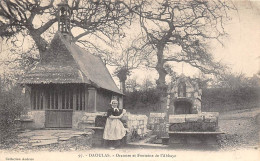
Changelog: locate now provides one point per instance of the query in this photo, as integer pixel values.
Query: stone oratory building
(68, 82)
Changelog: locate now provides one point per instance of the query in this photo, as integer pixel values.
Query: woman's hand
(114, 117)
(118, 117)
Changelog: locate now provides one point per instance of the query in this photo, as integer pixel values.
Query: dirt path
(241, 128)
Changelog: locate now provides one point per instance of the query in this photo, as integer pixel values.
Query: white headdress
(113, 101)
(115, 108)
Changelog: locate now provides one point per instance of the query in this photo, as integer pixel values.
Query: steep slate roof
(66, 62)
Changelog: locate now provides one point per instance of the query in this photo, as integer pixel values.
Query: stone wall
(136, 124)
(205, 121)
(33, 120)
(155, 118)
(157, 124)
(80, 120)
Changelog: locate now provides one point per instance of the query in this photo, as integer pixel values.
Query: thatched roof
(66, 62)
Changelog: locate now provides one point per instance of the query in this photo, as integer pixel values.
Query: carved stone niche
(186, 96)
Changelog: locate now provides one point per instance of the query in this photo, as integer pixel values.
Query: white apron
(114, 129)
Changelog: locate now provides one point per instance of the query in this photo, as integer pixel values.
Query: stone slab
(79, 133)
(209, 126)
(26, 134)
(176, 139)
(210, 140)
(210, 119)
(196, 132)
(176, 118)
(64, 138)
(210, 116)
(194, 139)
(23, 144)
(24, 140)
(215, 114)
(45, 142)
(193, 118)
(43, 137)
(34, 141)
(75, 135)
(157, 114)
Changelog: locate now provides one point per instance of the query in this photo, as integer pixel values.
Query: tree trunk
(40, 42)
(161, 83)
(122, 80)
(122, 85)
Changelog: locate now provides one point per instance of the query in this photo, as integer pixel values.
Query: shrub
(213, 99)
(149, 98)
(226, 99)
(10, 109)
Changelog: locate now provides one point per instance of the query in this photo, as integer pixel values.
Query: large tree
(100, 19)
(181, 31)
(177, 31)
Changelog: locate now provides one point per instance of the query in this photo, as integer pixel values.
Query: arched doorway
(182, 107)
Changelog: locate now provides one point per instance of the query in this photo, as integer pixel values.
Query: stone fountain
(186, 122)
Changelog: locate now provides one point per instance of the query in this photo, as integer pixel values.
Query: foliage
(147, 84)
(213, 99)
(147, 99)
(236, 80)
(122, 73)
(226, 99)
(11, 106)
(237, 95)
(143, 96)
(132, 85)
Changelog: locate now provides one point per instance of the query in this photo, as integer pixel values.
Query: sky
(242, 49)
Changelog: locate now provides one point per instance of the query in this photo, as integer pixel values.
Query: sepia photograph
(159, 80)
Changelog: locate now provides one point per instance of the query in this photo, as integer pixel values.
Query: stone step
(147, 145)
(45, 142)
(196, 132)
(64, 138)
(43, 138)
(148, 139)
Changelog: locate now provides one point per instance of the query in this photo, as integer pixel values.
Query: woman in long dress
(114, 129)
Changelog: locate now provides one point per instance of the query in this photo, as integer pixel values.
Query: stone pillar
(28, 98)
(92, 99)
(74, 99)
(86, 98)
(120, 102)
